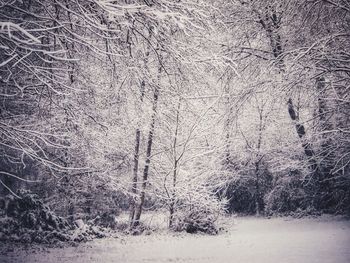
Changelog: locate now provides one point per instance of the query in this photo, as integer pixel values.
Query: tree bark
(301, 134)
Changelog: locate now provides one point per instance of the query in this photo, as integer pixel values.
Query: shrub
(198, 214)
(288, 195)
(28, 219)
(241, 191)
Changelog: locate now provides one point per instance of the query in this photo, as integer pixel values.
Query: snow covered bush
(199, 212)
(87, 197)
(27, 219)
(199, 221)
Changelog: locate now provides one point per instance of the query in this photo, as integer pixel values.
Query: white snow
(248, 240)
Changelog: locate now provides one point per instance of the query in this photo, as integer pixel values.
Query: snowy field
(247, 240)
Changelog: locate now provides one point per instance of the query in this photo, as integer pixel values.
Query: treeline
(190, 107)
(97, 112)
(295, 133)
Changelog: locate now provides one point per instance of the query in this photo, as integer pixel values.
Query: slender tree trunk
(133, 200)
(257, 189)
(135, 175)
(173, 197)
(176, 160)
(139, 206)
(257, 163)
(327, 156)
(136, 165)
(228, 127)
(301, 133)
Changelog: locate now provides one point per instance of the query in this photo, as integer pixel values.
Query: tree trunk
(257, 189)
(257, 162)
(271, 24)
(228, 127)
(301, 134)
(173, 197)
(135, 175)
(327, 156)
(176, 160)
(139, 206)
(133, 199)
(136, 165)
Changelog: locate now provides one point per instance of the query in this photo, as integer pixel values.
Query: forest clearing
(193, 111)
(246, 239)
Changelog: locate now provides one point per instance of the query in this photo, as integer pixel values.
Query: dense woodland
(192, 108)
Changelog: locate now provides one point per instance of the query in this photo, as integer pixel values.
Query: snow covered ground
(248, 240)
